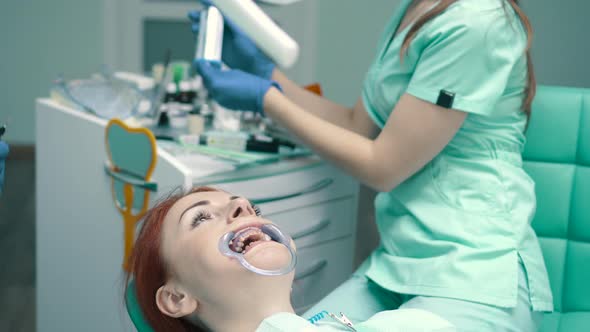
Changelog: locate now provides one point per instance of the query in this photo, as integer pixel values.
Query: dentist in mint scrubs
(438, 130)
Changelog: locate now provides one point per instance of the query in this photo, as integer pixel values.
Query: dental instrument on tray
(160, 88)
(239, 141)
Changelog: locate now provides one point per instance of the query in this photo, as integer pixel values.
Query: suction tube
(271, 39)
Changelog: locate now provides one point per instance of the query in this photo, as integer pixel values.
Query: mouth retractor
(276, 235)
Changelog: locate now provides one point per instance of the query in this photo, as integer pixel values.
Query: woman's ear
(174, 301)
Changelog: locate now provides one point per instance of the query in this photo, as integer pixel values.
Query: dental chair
(135, 311)
(557, 157)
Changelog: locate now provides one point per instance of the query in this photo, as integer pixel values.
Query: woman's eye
(200, 217)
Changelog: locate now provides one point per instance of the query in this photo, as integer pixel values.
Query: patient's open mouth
(247, 238)
(237, 243)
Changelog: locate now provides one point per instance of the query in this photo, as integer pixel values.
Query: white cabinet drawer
(291, 190)
(320, 269)
(317, 223)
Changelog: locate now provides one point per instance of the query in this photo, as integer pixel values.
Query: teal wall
(40, 39)
(162, 35)
(347, 41)
(560, 42)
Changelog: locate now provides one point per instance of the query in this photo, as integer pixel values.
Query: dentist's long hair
(531, 86)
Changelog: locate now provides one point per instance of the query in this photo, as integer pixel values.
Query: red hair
(149, 269)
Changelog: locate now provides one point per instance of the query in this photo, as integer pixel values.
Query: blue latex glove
(235, 89)
(239, 51)
(3, 155)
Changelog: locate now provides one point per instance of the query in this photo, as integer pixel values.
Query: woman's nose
(240, 207)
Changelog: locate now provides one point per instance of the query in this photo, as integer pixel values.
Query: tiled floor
(17, 248)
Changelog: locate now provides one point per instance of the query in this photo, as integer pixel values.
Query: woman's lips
(260, 245)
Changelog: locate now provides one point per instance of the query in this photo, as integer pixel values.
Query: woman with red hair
(184, 283)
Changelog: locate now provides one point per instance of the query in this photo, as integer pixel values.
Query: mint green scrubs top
(459, 227)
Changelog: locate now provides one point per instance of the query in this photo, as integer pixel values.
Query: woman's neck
(247, 317)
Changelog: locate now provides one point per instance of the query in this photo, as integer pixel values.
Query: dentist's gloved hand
(3, 155)
(235, 89)
(239, 51)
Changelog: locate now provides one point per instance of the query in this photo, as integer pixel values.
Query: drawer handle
(313, 188)
(313, 229)
(311, 270)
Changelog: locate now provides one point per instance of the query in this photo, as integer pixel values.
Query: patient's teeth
(245, 238)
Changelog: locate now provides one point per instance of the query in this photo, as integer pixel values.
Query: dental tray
(237, 159)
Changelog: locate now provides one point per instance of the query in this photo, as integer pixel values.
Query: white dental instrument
(210, 40)
(267, 35)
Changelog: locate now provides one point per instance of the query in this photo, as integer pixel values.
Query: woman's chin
(269, 256)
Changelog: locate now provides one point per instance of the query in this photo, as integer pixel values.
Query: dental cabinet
(79, 240)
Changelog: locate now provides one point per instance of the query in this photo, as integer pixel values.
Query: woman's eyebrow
(193, 206)
(201, 203)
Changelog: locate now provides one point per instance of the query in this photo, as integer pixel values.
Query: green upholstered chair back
(557, 157)
(134, 310)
